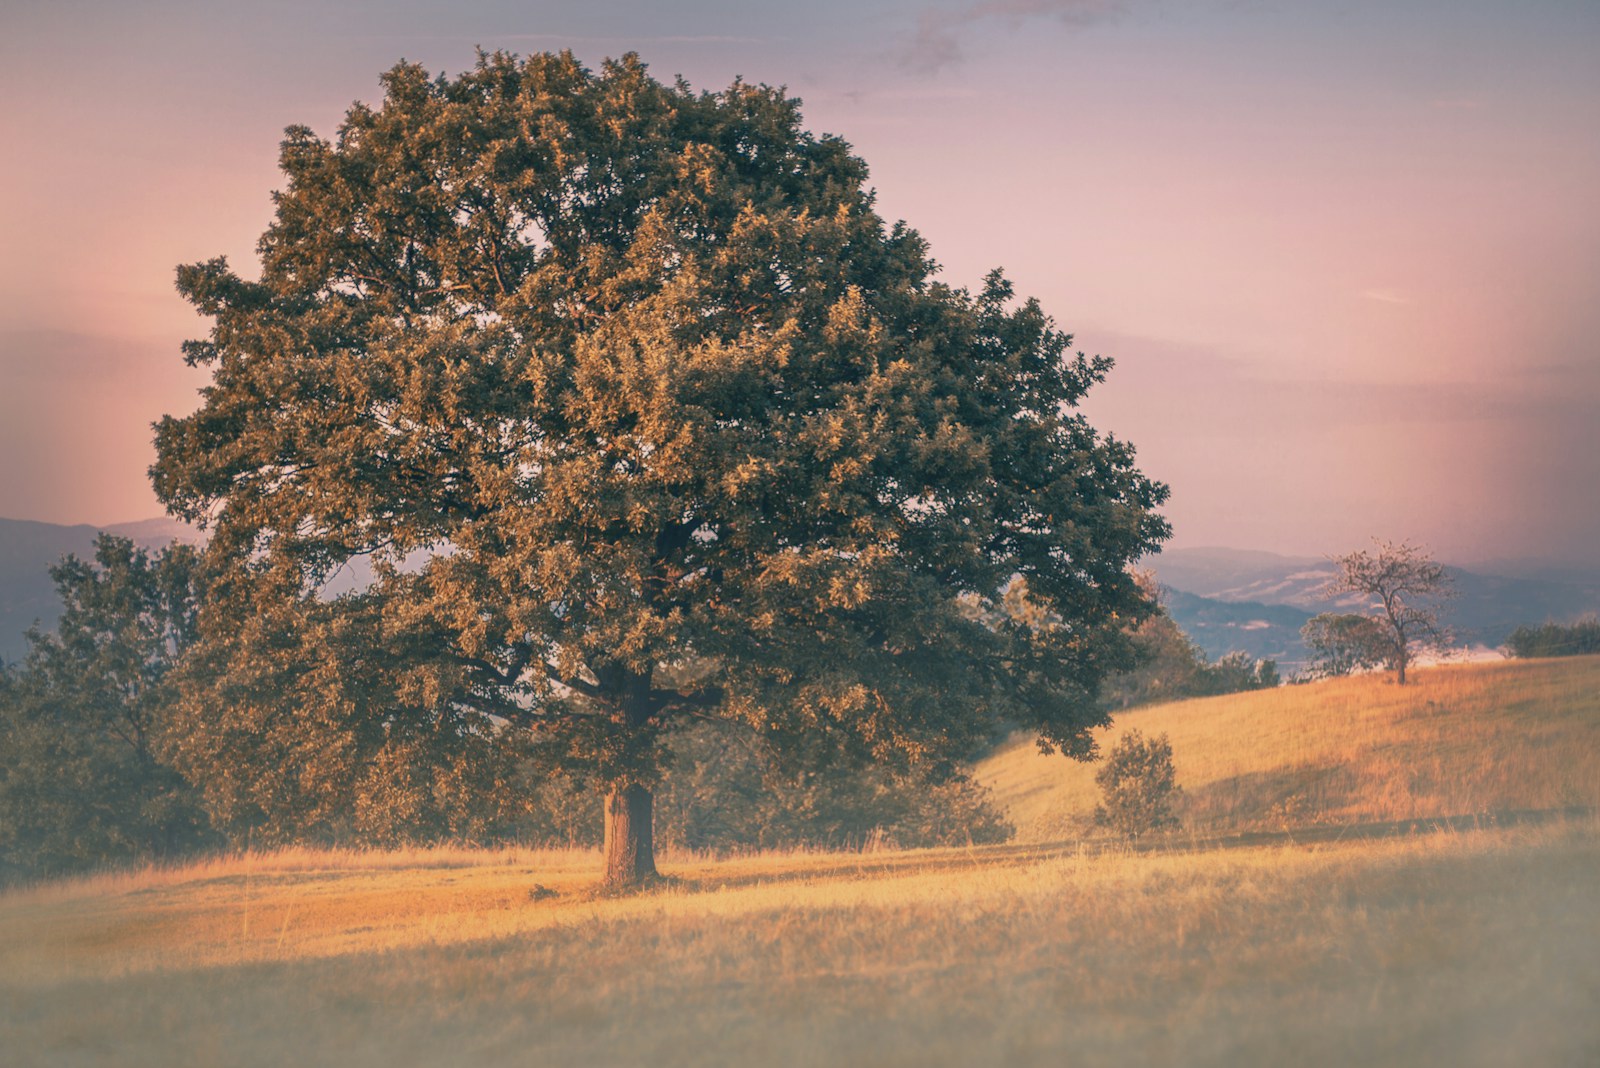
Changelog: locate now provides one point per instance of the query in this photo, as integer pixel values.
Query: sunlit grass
(1457, 740)
(1470, 946)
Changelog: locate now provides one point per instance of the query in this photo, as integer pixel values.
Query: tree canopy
(1342, 643)
(639, 411)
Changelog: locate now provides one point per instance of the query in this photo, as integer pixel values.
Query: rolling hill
(1461, 740)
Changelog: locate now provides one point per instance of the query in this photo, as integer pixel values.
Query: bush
(1138, 785)
(82, 779)
(75, 796)
(1553, 639)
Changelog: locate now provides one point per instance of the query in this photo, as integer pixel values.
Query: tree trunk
(630, 807)
(630, 838)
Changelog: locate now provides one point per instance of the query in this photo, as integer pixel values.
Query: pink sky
(1347, 255)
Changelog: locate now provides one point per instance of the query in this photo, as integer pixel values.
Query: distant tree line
(85, 779)
(1556, 639)
(1172, 667)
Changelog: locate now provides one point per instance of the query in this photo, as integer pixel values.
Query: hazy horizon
(1345, 255)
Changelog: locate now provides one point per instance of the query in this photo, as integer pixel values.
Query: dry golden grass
(1453, 948)
(1473, 947)
(1458, 740)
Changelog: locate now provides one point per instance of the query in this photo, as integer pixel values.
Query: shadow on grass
(1285, 796)
(868, 865)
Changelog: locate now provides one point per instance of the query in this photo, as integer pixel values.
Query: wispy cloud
(591, 39)
(942, 32)
(895, 96)
(1384, 296)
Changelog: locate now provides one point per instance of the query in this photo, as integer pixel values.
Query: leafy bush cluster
(1138, 785)
(725, 792)
(1343, 643)
(1555, 639)
(1236, 672)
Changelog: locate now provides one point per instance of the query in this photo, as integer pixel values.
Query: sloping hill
(1461, 740)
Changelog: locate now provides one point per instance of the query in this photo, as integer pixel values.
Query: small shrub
(1138, 785)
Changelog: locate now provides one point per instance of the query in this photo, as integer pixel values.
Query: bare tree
(1408, 586)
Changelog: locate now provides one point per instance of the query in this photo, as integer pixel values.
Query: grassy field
(1457, 947)
(1455, 741)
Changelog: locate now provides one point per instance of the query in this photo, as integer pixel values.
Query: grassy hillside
(1475, 947)
(1459, 740)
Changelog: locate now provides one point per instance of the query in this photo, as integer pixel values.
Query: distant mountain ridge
(1262, 631)
(1255, 602)
(1236, 575)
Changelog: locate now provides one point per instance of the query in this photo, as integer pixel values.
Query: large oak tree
(640, 411)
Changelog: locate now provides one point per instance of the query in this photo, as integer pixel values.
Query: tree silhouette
(1407, 585)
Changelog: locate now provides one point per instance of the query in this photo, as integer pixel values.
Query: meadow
(1460, 740)
(1248, 938)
